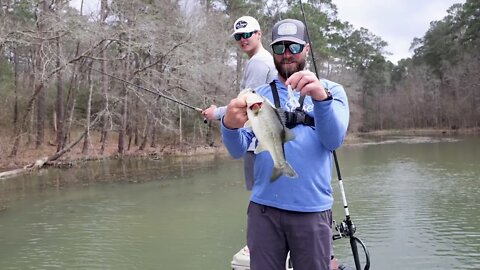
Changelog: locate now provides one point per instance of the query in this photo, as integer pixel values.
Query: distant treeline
(51, 54)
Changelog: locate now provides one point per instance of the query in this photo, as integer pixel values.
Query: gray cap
(289, 30)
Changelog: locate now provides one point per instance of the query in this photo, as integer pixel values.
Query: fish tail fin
(286, 170)
(289, 171)
(277, 172)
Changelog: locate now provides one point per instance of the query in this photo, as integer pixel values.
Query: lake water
(414, 201)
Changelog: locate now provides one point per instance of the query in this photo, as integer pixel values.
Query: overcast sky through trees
(396, 21)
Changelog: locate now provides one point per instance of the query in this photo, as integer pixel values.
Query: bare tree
(104, 12)
(40, 60)
(60, 103)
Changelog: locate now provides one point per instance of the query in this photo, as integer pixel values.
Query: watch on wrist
(329, 95)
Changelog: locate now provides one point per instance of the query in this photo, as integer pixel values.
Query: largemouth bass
(268, 124)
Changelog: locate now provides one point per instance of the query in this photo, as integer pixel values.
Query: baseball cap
(289, 30)
(245, 24)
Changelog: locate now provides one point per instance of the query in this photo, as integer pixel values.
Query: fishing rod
(346, 228)
(148, 90)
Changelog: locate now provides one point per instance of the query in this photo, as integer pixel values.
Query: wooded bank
(51, 96)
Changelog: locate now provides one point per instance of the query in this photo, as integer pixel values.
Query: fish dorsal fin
(281, 116)
(288, 133)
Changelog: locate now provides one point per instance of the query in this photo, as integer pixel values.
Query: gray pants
(249, 164)
(272, 232)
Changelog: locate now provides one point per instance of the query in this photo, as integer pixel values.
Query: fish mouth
(256, 106)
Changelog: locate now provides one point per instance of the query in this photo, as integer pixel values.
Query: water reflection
(420, 203)
(415, 206)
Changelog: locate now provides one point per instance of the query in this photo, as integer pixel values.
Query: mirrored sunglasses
(294, 48)
(239, 36)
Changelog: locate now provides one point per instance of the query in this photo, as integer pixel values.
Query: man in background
(259, 70)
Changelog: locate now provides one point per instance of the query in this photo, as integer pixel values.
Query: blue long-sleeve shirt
(309, 154)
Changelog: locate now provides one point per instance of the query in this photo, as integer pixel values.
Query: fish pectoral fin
(260, 148)
(247, 124)
(277, 172)
(286, 170)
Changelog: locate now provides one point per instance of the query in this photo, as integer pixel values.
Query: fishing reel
(347, 229)
(343, 230)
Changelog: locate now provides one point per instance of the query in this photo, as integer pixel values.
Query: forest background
(56, 101)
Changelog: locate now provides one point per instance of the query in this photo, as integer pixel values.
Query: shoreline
(28, 157)
(26, 160)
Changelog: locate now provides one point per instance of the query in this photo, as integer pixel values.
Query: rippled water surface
(414, 202)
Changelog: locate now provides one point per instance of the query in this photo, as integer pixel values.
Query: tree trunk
(123, 126)
(86, 141)
(153, 144)
(70, 105)
(124, 110)
(135, 117)
(40, 119)
(72, 93)
(145, 133)
(40, 116)
(27, 112)
(31, 85)
(180, 124)
(16, 130)
(42, 95)
(156, 111)
(129, 135)
(60, 103)
(106, 116)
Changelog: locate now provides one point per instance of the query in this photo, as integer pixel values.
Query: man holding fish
(291, 200)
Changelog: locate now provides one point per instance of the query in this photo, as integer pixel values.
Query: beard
(285, 71)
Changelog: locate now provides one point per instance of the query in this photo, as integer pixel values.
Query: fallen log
(40, 163)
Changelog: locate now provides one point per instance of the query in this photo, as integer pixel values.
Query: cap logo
(241, 24)
(287, 29)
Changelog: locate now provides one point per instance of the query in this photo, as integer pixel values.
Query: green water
(414, 202)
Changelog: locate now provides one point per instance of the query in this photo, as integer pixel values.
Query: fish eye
(253, 91)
